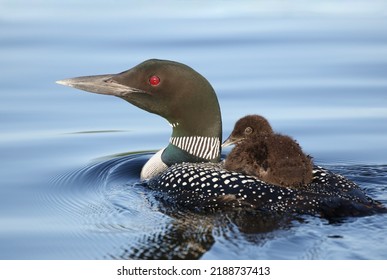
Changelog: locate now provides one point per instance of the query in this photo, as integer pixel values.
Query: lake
(70, 160)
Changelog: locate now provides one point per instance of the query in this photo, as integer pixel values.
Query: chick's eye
(248, 130)
(154, 80)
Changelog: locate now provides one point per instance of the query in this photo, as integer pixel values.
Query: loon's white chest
(153, 166)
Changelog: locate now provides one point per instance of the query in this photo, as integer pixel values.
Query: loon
(274, 158)
(188, 172)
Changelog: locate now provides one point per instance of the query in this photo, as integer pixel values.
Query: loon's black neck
(197, 137)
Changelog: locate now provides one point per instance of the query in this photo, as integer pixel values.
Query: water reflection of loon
(188, 171)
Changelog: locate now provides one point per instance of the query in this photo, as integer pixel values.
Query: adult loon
(188, 172)
(274, 158)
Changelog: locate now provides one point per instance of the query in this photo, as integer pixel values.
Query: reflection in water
(186, 237)
(190, 235)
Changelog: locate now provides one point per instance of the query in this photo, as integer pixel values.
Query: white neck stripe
(200, 146)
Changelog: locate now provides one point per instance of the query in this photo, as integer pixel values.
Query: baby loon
(275, 159)
(187, 173)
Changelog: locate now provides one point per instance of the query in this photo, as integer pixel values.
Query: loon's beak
(102, 84)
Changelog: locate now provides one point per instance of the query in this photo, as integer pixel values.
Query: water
(70, 160)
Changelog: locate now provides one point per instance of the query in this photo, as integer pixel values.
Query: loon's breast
(208, 186)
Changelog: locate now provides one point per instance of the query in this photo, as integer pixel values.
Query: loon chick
(274, 158)
(188, 172)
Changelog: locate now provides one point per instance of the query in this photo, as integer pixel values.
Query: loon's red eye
(154, 80)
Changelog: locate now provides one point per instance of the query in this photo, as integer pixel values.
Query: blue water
(70, 160)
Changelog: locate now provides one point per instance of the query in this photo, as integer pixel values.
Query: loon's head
(174, 91)
(248, 127)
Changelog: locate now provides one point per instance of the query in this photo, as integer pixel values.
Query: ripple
(97, 131)
(105, 196)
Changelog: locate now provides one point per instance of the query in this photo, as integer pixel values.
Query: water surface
(70, 160)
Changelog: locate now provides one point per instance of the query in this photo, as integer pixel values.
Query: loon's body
(208, 186)
(274, 158)
(188, 171)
